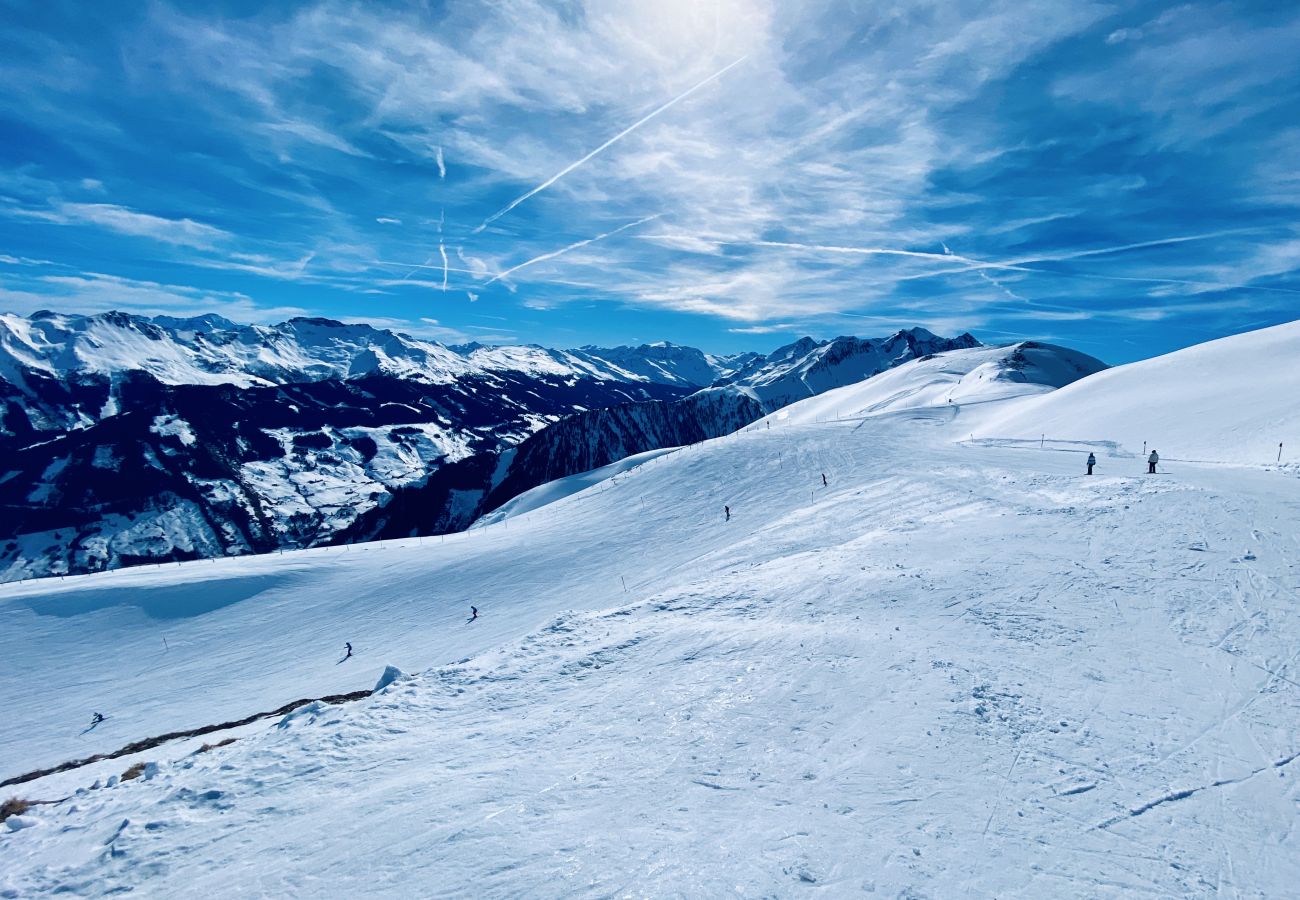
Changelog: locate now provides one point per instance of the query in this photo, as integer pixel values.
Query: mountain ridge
(133, 439)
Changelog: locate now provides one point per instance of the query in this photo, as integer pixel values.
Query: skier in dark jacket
(1092, 461)
(726, 510)
(96, 719)
(348, 647)
(473, 613)
(825, 483)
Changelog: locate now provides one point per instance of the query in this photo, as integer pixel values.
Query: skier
(1151, 462)
(473, 613)
(96, 719)
(727, 511)
(825, 483)
(348, 647)
(1092, 461)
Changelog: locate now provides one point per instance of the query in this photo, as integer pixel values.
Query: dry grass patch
(206, 747)
(14, 806)
(134, 772)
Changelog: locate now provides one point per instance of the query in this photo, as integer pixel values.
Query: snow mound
(966, 376)
(303, 715)
(391, 674)
(1231, 400)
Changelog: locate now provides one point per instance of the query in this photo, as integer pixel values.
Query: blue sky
(1122, 178)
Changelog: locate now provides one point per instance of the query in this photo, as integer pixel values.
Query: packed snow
(560, 488)
(957, 668)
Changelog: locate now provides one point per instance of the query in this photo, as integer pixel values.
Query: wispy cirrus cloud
(93, 292)
(182, 231)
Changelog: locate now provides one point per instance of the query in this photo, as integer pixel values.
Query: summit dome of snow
(1230, 400)
(964, 376)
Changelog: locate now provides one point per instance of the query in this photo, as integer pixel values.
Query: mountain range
(130, 439)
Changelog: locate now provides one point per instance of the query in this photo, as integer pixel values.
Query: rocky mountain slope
(456, 496)
(130, 440)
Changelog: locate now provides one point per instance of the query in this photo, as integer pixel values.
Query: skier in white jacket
(1151, 462)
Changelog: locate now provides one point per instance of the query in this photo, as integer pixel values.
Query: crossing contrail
(573, 246)
(868, 251)
(622, 134)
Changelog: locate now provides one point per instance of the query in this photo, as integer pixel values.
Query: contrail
(406, 265)
(573, 246)
(1020, 264)
(443, 252)
(622, 134)
(969, 264)
(869, 251)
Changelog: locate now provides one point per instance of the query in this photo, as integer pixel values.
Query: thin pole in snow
(1279, 451)
(165, 647)
(1042, 440)
(624, 580)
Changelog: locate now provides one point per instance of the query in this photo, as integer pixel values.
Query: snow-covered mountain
(1239, 400)
(456, 496)
(128, 440)
(133, 440)
(963, 377)
(807, 367)
(212, 350)
(960, 668)
(949, 382)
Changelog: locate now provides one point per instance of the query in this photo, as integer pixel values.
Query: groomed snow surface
(960, 669)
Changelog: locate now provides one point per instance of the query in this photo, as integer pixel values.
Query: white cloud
(819, 178)
(91, 292)
(762, 329)
(182, 232)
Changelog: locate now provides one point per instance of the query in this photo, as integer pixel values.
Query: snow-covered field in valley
(960, 668)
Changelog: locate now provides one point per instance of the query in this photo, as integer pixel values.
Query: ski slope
(961, 669)
(558, 489)
(1230, 400)
(964, 377)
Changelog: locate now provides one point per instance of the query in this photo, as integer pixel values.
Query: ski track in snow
(958, 670)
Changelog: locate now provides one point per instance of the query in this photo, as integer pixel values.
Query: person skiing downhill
(726, 510)
(1151, 462)
(347, 646)
(1092, 461)
(96, 719)
(473, 613)
(825, 483)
